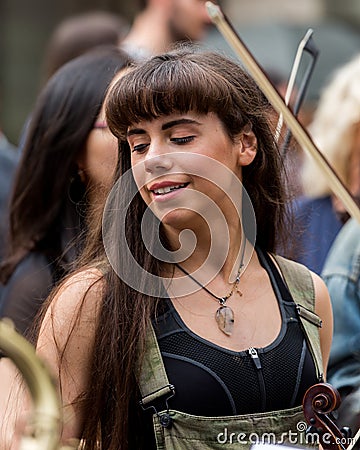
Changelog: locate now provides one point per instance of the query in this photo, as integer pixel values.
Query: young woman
(230, 352)
(67, 162)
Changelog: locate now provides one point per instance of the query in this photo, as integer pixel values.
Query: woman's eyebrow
(174, 123)
(165, 126)
(135, 131)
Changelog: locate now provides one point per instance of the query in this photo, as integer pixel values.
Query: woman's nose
(157, 159)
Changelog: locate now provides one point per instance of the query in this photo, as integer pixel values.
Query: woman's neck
(216, 250)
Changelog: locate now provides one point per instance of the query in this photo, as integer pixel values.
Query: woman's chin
(180, 219)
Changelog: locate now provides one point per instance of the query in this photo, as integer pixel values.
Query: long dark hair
(180, 81)
(47, 185)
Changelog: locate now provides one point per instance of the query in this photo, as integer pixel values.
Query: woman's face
(99, 158)
(182, 161)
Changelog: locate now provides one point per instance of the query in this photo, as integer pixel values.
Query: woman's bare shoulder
(84, 284)
(77, 299)
(81, 281)
(68, 330)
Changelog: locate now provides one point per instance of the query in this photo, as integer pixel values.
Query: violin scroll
(324, 398)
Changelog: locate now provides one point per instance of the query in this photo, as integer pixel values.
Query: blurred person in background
(341, 274)
(161, 23)
(64, 173)
(74, 36)
(80, 33)
(319, 214)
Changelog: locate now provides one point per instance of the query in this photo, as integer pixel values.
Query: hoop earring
(77, 186)
(81, 174)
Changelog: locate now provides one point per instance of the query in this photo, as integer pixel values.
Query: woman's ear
(247, 146)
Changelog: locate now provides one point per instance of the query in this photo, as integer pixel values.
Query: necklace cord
(221, 300)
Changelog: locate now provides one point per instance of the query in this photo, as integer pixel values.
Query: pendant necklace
(224, 315)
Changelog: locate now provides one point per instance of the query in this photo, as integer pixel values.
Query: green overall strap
(152, 378)
(300, 284)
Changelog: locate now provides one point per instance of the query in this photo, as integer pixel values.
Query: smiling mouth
(166, 190)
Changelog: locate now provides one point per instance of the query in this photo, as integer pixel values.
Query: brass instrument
(43, 428)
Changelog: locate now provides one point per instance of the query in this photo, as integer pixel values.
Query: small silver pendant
(224, 317)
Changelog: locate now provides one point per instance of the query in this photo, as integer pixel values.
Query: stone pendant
(225, 319)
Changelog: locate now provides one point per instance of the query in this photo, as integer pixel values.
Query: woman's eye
(140, 148)
(182, 140)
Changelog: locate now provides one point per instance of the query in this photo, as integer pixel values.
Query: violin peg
(346, 431)
(311, 430)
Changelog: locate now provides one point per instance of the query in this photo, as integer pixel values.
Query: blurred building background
(272, 30)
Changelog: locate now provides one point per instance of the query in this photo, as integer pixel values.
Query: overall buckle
(158, 400)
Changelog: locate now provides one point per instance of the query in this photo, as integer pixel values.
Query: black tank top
(212, 381)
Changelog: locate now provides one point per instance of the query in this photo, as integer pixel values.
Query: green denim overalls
(176, 430)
